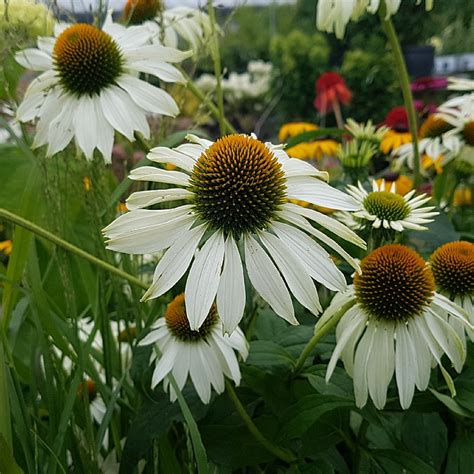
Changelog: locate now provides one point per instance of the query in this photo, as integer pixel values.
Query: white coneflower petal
(231, 292)
(237, 189)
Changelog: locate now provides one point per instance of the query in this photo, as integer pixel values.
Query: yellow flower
(393, 140)
(316, 149)
(403, 184)
(6, 247)
(428, 162)
(87, 183)
(292, 129)
(33, 17)
(122, 208)
(462, 197)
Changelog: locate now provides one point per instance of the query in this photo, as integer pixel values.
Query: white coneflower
(434, 142)
(88, 86)
(388, 210)
(236, 192)
(168, 25)
(459, 113)
(452, 265)
(397, 324)
(204, 355)
(334, 15)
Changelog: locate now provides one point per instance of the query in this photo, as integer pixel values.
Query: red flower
(397, 119)
(429, 83)
(331, 88)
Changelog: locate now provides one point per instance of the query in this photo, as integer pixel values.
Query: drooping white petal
(164, 71)
(220, 344)
(122, 113)
(31, 106)
(381, 364)
(199, 376)
(293, 271)
(231, 292)
(303, 224)
(151, 239)
(142, 199)
(34, 59)
(86, 126)
(363, 353)
(266, 279)
(151, 173)
(203, 280)
(156, 53)
(314, 191)
(329, 223)
(405, 369)
(165, 364)
(210, 363)
(423, 356)
(356, 325)
(148, 97)
(61, 129)
(161, 154)
(294, 167)
(174, 263)
(313, 257)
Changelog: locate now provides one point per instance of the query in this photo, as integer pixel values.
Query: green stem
(199, 94)
(15, 219)
(405, 87)
(319, 332)
(5, 421)
(216, 59)
(280, 453)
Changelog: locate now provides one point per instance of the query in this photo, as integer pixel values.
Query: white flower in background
(393, 323)
(388, 210)
(436, 142)
(168, 26)
(260, 68)
(206, 82)
(460, 84)
(204, 355)
(235, 193)
(459, 113)
(333, 15)
(88, 86)
(452, 265)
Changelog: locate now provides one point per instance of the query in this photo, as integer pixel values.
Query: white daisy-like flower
(459, 112)
(169, 25)
(452, 265)
(204, 355)
(394, 323)
(434, 142)
(460, 84)
(388, 210)
(88, 86)
(236, 193)
(334, 15)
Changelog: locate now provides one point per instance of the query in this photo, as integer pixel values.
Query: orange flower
(462, 197)
(6, 247)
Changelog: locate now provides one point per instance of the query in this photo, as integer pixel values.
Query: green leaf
(152, 422)
(299, 417)
(452, 404)
(426, 436)
(461, 456)
(269, 355)
(392, 460)
(8, 464)
(340, 384)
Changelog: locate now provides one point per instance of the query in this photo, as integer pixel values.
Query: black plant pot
(419, 60)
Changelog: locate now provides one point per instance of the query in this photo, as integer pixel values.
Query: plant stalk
(280, 453)
(404, 79)
(15, 219)
(319, 332)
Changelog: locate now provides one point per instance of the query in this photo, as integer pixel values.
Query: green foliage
(373, 81)
(298, 59)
